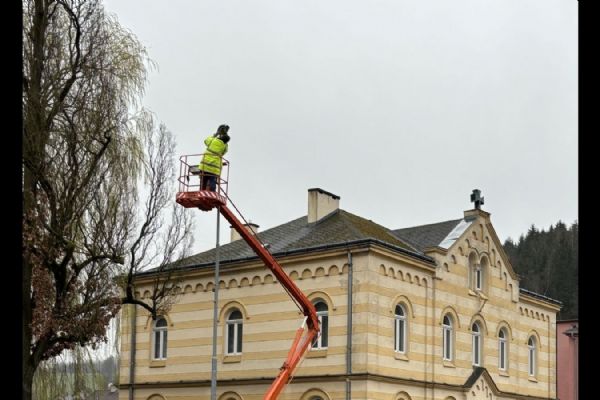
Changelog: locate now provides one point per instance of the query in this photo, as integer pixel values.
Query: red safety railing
(189, 193)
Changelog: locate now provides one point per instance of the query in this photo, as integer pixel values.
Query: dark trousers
(208, 180)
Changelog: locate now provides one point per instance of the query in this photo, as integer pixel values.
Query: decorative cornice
(335, 378)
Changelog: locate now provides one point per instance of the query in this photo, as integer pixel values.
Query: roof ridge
(433, 223)
(387, 230)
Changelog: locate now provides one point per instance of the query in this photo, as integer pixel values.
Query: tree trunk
(28, 367)
(33, 124)
(28, 372)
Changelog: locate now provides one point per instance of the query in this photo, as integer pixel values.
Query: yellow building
(428, 312)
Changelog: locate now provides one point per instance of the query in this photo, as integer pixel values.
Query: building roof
(540, 296)
(423, 236)
(339, 227)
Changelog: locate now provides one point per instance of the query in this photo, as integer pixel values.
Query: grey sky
(399, 107)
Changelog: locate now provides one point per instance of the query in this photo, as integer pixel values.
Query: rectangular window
(531, 362)
(502, 355)
(239, 338)
(160, 345)
(230, 338)
(234, 338)
(475, 350)
(478, 278)
(325, 328)
(399, 334)
(321, 341)
(157, 345)
(447, 344)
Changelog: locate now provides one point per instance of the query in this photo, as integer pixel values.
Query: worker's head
(222, 130)
(225, 138)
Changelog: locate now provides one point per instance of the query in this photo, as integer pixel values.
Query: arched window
(400, 329)
(156, 397)
(160, 339)
(230, 396)
(322, 313)
(447, 337)
(532, 354)
(502, 350)
(477, 272)
(314, 394)
(476, 331)
(235, 324)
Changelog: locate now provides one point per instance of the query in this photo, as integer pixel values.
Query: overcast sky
(399, 107)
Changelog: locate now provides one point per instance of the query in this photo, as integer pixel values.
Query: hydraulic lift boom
(189, 196)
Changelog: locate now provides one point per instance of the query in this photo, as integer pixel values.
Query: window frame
(160, 334)
(476, 344)
(531, 356)
(317, 344)
(478, 277)
(447, 338)
(400, 325)
(503, 350)
(237, 325)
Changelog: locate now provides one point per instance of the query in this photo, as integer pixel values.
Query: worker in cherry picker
(212, 160)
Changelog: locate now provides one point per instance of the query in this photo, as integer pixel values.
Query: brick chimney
(321, 203)
(252, 227)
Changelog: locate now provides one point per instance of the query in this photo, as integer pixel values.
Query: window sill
(448, 364)
(472, 293)
(503, 373)
(532, 379)
(157, 363)
(316, 353)
(400, 356)
(232, 358)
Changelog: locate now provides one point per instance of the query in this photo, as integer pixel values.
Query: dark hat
(223, 129)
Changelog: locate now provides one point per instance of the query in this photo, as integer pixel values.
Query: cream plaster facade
(382, 278)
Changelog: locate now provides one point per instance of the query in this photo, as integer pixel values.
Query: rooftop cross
(477, 199)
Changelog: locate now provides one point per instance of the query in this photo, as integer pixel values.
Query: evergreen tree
(547, 263)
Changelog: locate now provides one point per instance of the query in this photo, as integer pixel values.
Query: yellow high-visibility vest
(212, 159)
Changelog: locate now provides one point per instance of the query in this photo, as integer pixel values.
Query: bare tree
(153, 246)
(85, 157)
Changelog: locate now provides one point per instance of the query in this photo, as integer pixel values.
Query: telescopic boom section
(300, 344)
(191, 195)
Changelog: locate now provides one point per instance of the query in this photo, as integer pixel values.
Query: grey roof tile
(423, 236)
(338, 227)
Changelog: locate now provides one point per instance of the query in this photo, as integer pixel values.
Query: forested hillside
(548, 263)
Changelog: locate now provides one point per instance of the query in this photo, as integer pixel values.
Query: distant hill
(548, 264)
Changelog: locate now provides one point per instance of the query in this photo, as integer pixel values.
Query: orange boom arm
(301, 343)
